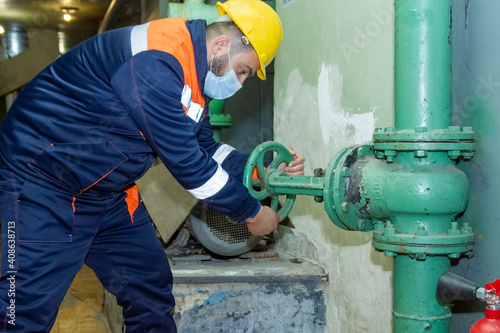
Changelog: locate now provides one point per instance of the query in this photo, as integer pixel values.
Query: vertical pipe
(415, 306)
(422, 99)
(422, 64)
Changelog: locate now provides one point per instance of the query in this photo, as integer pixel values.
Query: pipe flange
(458, 142)
(336, 202)
(452, 245)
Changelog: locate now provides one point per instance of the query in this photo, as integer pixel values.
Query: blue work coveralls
(71, 147)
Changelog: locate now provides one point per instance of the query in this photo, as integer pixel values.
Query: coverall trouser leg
(48, 234)
(131, 264)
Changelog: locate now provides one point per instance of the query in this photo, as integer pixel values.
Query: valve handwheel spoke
(259, 188)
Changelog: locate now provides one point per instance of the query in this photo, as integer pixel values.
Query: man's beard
(219, 65)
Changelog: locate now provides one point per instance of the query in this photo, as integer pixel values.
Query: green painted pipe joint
(457, 142)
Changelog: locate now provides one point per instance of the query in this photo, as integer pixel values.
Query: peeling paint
(241, 307)
(334, 119)
(212, 299)
(191, 301)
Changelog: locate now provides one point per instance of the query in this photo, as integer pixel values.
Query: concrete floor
(82, 308)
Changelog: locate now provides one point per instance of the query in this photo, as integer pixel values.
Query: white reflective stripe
(139, 38)
(221, 153)
(195, 111)
(212, 186)
(186, 96)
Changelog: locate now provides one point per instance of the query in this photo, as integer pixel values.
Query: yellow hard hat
(260, 24)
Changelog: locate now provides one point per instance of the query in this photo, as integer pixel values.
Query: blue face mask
(221, 87)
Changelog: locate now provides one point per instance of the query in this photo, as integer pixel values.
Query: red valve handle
(493, 287)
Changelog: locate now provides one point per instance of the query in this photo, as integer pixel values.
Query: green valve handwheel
(259, 187)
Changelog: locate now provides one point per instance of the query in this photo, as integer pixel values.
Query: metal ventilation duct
(13, 41)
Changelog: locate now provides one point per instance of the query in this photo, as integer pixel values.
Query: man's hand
(296, 167)
(265, 222)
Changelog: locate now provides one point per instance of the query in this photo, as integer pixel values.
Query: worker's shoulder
(158, 65)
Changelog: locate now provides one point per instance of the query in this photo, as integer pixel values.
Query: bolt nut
(454, 255)
(468, 155)
(454, 154)
(421, 231)
(421, 129)
(466, 229)
(390, 229)
(467, 129)
(420, 256)
(453, 128)
(390, 254)
(390, 129)
(420, 153)
(345, 207)
(361, 225)
(390, 155)
(454, 231)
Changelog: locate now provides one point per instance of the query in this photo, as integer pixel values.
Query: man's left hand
(296, 167)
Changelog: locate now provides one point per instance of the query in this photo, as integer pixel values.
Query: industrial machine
(220, 234)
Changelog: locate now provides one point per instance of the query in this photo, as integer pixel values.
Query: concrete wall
(333, 86)
(476, 103)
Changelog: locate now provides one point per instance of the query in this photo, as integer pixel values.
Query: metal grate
(227, 229)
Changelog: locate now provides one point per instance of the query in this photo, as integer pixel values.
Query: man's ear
(220, 44)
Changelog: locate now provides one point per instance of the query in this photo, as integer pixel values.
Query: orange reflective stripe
(143, 136)
(132, 200)
(73, 204)
(171, 35)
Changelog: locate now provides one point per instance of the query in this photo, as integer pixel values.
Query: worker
(89, 125)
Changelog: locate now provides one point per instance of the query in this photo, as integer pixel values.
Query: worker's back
(69, 114)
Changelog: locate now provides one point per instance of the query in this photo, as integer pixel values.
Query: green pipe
(283, 184)
(422, 64)
(415, 308)
(218, 119)
(422, 101)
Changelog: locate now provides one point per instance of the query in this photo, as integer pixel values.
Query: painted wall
(476, 103)
(333, 86)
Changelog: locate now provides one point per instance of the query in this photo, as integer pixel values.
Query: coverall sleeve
(150, 87)
(231, 160)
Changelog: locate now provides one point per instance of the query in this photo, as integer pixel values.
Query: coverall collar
(197, 29)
